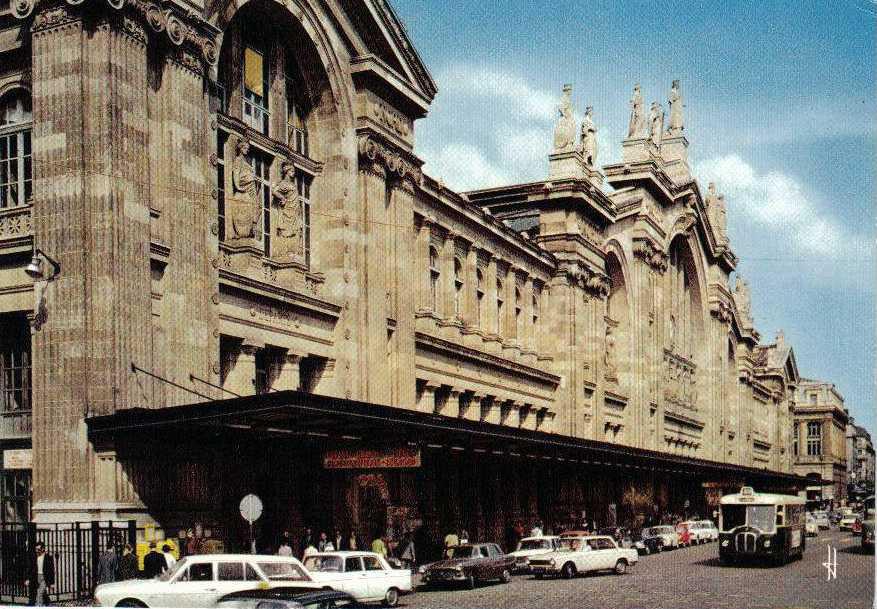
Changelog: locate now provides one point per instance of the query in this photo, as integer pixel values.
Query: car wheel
(130, 602)
(391, 598)
(470, 582)
(621, 567)
(660, 547)
(506, 576)
(568, 571)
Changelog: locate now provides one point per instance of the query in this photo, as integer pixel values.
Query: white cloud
(463, 167)
(512, 94)
(779, 203)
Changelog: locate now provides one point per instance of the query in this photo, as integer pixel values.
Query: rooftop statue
(742, 297)
(656, 123)
(676, 106)
(589, 138)
(565, 130)
(636, 113)
(717, 212)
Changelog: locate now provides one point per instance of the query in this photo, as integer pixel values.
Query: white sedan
(583, 555)
(365, 576)
(200, 581)
(530, 547)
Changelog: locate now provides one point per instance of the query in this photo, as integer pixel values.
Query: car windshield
(168, 575)
(761, 517)
(324, 564)
(466, 552)
(535, 544)
(283, 571)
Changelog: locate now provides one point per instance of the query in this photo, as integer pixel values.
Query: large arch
(619, 334)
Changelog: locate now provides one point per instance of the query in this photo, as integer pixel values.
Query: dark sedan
(469, 564)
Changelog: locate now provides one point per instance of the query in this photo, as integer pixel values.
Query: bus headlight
(553, 562)
(725, 543)
(767, 543)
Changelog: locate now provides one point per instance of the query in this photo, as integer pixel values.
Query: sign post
(251, 510)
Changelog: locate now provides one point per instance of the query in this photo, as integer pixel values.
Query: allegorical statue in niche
(589, 138)
(565, 130)
(676, 126)
(245, 208)
(289, 218)
(609, 355)
(636, 113)
(656, 123)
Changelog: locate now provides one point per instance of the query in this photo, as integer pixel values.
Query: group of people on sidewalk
(308, 544)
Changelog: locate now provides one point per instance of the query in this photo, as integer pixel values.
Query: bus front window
(733, 516)
(761, 516)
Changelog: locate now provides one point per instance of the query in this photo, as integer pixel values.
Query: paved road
(687, 578)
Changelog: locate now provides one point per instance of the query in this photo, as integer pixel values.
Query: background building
(860, 460)
(220, 214)
(819, 440)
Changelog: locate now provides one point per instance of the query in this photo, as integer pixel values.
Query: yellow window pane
(253, 71)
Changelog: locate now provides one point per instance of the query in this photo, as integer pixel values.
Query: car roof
(539, 537)
(255, 557)
(343, 553)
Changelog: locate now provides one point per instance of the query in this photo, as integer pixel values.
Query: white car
(366, 576)
(707, 530)
(582, 555)
(200, 581)
(667, 536)
(697, 534)
(529, 547)
(822, 520)
(810, 527)
(847, 521)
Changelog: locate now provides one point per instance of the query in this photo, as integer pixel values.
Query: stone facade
(860, 456)
(819, 438)
(234, 214)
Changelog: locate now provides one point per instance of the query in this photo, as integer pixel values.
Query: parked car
(684, 533)
(848, 521)
(665, 536)
(643, 544)
(288, 598)
(868, 525)
(822, 521)
(810, 527)
(471, 563)
(201, 580)
(583, 555)
(364, 575)
(530, 547)
(707, 531)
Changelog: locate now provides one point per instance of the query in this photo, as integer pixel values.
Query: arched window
(434, 275)
(500, 301)
(16, 164)
(479, 294)
(458, 288)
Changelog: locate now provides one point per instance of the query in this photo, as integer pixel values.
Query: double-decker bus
(761, 525)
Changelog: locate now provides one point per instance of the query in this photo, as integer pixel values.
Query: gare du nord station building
(223, 271)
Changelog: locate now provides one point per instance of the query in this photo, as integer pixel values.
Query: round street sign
(251, 508)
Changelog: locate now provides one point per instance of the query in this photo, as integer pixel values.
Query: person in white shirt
(310, 550)
(536, 531)
(285, 549)
(168, 557)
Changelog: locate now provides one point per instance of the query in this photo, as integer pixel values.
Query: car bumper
(543, 570)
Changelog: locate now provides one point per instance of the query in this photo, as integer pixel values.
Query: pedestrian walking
(169, 560)
(338, 539)
(284, 549)
(451, 541)
(379, 546)
(464, 536)
(107, 566)
(307, 539)
(407, 554)
(352, 543)
(193, 544)
(153, 563)
(40, 575)
(128, 564)
(536, 531)
(321, 545)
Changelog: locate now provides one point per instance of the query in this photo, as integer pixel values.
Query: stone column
(490, 410)
(446, 281)
(528, 334)
(451, 407)
(326, 383)
(403, 294)
(470, 287)
(421, 271)
(91, 214)
(241, 378)
(489, 323)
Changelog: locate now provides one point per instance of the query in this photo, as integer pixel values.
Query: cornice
(397, 162)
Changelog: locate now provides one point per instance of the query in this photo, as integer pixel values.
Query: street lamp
(35, 268)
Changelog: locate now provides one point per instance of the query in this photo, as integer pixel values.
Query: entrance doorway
(369, 499)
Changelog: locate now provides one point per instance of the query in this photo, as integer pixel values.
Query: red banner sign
(391, 458)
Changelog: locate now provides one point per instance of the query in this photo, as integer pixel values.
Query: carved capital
(721, 310)
(183, 28)
(650, 253)
(398, 164)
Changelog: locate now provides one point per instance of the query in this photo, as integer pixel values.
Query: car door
(230, 577)
(355, 578)
(497, 559)
(376, 577)
(607, 553)
(194, 587)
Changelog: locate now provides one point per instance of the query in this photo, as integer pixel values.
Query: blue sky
(780, 109)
